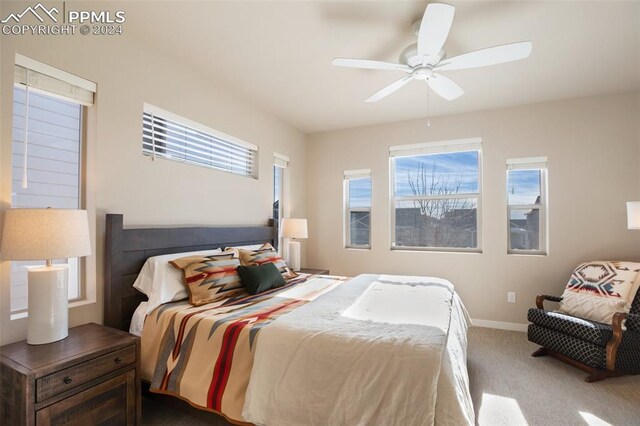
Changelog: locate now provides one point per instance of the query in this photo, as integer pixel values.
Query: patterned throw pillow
(599, 289)
(266, 254)
(210, 278)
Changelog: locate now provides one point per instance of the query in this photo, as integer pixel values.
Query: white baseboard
(513, 326)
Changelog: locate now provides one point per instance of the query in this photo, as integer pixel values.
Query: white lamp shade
(294, 228)
(36, 234)
(633, 215)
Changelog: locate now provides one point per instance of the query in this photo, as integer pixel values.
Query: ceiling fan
(425, 59)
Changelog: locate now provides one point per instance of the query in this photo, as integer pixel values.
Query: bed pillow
(210, 278)
(252, 247)
(256, 279)
(163, 283)
(599, 289)
(266, 254)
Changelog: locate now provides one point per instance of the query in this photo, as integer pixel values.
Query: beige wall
(120, 179)
(592, 145)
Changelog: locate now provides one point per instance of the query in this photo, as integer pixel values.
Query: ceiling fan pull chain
(428, 105)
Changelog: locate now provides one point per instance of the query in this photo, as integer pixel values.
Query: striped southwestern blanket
(204, 354)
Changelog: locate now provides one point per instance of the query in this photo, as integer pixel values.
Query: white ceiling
(278, 54)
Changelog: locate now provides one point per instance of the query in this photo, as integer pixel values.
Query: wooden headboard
(126, 250)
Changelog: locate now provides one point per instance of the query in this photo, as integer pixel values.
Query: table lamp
(46, 234)
(633, 215)
(294, 228)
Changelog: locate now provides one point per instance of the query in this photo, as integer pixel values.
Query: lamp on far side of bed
(294, 228)
(633, 215)
(46, 234)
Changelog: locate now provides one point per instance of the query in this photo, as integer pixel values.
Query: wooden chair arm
(542, 297)
(614, 343)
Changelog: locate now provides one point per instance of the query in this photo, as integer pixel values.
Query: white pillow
(163, 283)
(599, 289)
(252, 247)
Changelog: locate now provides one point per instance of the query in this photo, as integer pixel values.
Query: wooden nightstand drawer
(104, 404)
(66, 379)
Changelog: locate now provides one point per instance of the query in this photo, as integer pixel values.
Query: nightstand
(91, 377)
(314, 271)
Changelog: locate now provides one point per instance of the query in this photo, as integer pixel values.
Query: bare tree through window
(438, 206)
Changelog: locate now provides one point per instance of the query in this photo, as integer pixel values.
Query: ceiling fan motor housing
(409, 56)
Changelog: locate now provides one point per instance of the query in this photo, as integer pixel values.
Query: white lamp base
(294, 255)
(48, 304)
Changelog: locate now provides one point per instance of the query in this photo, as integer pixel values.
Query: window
(280, 163)
(526, 205)
(170, 136)
(436, 195)
(47, 126)
(357, 221)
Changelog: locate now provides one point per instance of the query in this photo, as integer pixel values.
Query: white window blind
(53, 169)
(280, 160)
(53, 81)
(357, 174)
(167, 135)
(458, 145)
(529, 163)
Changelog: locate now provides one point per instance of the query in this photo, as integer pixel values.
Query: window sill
(351, 248)
(434, 250)
(74, 304)
(527, 254)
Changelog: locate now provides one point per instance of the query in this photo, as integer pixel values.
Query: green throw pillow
(257, 279)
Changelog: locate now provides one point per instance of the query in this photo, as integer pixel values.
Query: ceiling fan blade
(434, 28)
(386, 91)
(489, 56)
(445, 87)
(370, 65)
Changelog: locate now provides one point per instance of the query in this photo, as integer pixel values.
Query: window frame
(279, 162)
(347, 210)
(530, 163)
(434, 148)
(82, 170)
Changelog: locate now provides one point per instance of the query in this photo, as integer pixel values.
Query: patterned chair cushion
(591, 331)
(599, 289)
(633, 322)
(627, 361)
(573, 347)
(635, 306)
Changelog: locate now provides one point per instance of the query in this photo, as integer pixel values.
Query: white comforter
(378, 350)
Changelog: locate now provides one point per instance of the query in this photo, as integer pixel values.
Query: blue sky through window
(360, 193)
(452, 172)
(523, 186)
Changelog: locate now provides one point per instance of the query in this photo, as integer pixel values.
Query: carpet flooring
(509, 388)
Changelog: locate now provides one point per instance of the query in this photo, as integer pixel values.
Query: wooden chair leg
(598, 375)
(540, 352)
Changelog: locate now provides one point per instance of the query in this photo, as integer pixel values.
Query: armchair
(602, 350)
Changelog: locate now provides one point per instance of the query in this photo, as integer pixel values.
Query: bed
(373, 349)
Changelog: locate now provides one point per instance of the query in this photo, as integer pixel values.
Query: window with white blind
(280, 163)
(357, 207)
(167, 135)
(436, 195)
(527, 205)
(48, 128)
